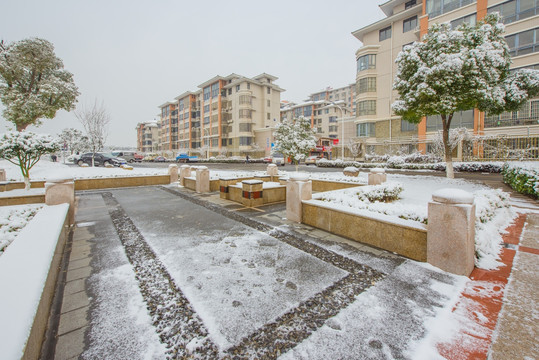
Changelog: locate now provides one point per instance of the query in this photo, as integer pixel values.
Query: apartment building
(232, 114)
(147, 137)
(344, 94)
(407, 21)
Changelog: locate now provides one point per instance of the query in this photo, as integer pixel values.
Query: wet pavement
(134, 287)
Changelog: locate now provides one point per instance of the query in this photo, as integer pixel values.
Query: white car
(311, 160)
(278, 160)
(73, 158)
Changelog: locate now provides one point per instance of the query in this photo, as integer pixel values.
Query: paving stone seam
(269, 341)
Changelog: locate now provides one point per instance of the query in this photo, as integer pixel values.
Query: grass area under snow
(12, 220)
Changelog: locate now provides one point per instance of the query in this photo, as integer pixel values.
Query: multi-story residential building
(407, 21)
(345, 94)
(147, 137)
(234, 113)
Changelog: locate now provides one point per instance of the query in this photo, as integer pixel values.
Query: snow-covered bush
(25, 149)
(385, 192)
(12, 220)
(395, 162)
(294, 139)
(523, 177)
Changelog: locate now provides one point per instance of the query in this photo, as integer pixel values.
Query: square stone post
(2, 175)
(203, 180)
(173, 172)
(273, 172)
(252, 193)
(60, 191)
(298, 188)
(185, 171)
(451, 231)
(377, 176)
(224, 183)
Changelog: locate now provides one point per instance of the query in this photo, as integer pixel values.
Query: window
(332, 119)
(333, 128)
(470, 20)
(268, 103)
(245, 127)
(522, 43)
(214, 90)
(409, 4)
(528, 114)
(307, 111)
(237, 88)
(439, 7)
(384, 34)
(409, 24)
(207, 93)
(408, 126)
(460, 119)
(245, 141)
(245, 113)
(245, 99)
(206, 120)
(367, 84)
(181, 105)
(248, 86)
(269, 90)
(515, 10)
(230, 91)
(366, 130)
(206, 108)
(366, 107)
(366, 62)
(268, 116)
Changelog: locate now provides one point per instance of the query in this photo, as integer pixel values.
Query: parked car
(160, 159)
(100, 159)
(311, 160)
(73, 158)
(278, 160)
(150, 156)
(267, 160)
(185, 158)
(129, 156)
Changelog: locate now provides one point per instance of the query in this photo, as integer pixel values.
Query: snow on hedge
(12, 220)
(493, 210)
(522, 176)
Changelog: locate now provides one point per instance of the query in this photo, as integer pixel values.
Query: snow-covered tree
(95, 121)
(25, 149)
(455, 137)
(33, 82)
(460, 69)
(74, 140)
(294, 139)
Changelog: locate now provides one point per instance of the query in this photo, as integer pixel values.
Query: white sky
(135, 55)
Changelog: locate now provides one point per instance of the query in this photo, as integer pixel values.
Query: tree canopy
(33, 82)
(460, 69)
(25, 149)
(294, 139)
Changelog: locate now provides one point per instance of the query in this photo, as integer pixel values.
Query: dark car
(100, 159)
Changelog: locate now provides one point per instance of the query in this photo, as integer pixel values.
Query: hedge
(522, 177)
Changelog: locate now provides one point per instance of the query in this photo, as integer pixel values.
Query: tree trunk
(26, 183)
(446, 123)
(21, 127)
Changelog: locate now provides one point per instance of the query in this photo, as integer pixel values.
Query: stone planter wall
(407, 241)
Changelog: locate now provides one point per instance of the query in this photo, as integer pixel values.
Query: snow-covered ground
(12, 220)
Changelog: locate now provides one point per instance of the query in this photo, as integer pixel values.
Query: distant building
(408, 21)
(232, 114)
(344, 94)
(147, 137)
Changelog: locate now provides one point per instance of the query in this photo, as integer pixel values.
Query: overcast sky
(135, 55)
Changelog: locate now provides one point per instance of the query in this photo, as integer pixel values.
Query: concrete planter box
(405, 240)
(118, 182)
(28, 272)
(191, 183)
(269, 196)
(8, 185)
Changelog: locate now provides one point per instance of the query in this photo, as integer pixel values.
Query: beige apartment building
(345, 94)
(147, 137)
(406, 22)
(232, 115)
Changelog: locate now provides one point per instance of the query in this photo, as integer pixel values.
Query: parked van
(129, 156)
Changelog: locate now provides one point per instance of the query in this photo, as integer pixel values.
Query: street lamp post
(332, 103)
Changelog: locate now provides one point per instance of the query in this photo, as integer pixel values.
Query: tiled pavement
(516, 331)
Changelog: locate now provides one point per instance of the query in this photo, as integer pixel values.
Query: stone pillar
(185, 171)
(203, 180)
(377, 176)
(252, 193)
(451, 231)
(224, 183)
(273, 171)
(2, 175)
(60, 191)
(298, 188)
(173, 172)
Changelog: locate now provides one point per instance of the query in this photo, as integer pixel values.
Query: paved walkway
(102, 219)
